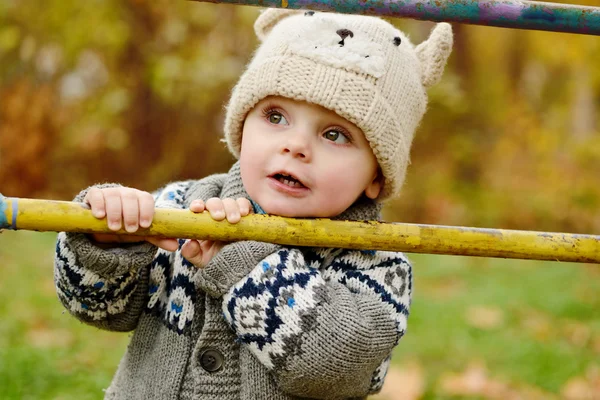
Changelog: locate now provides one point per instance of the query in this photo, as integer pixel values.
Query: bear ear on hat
(434, 52)
(269, 18)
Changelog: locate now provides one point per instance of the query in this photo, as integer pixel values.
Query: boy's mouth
(288, 180)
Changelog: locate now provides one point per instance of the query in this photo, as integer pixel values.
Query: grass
(44, 352)
(530, 324)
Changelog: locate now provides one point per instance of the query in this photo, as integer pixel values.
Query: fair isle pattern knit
(273, 307)
(87, 293)
(379, 375)
(291, 323)
(171, 289)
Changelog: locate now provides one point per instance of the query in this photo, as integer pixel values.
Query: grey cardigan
(260, 321)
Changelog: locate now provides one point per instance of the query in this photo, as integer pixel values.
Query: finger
(192, 252)
(95, 199)
(104, 238)
(244, 205)
(197, 206)
(206, 245)
(165, 244)
(115, 238)
(112, 202)
(146, 204)
(214, 205)
(131, 209)
(232, 210)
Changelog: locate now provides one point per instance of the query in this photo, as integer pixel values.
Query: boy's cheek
(249, 172)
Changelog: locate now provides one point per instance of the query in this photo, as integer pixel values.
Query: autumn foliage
(133, 92)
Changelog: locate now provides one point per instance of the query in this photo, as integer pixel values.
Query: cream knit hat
(360, 67)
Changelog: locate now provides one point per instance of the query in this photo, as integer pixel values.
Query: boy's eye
(277, 119)
(336, 136)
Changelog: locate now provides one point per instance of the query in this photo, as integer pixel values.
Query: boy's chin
(283, 211)
(290, 211)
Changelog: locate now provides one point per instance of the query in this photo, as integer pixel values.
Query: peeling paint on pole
(502, 13)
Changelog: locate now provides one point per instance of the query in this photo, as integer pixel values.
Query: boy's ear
(434, 52)
(269, 18)
(375, 186)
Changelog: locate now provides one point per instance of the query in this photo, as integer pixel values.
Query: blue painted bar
(4, 224)
(502, 13)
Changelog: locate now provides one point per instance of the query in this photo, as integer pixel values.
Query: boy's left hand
(200, 252)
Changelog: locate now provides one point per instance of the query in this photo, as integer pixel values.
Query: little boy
(321, 121)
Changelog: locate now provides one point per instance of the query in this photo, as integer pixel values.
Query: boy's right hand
(127, 207)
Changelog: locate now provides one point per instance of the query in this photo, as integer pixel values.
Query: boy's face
(302, 160)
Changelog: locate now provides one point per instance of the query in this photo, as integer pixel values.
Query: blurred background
(132, 91)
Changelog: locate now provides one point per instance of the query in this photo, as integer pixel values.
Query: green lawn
(44, 352)
(532, 327)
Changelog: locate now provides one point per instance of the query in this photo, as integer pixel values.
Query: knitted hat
(362, 68)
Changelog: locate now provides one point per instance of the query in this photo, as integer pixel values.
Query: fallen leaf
(402, 383)
(484, 317)
(443, 289)
(538, 325)
(577, 333)
(583, 387)
(474, 381)
(48, 338)
(596, 344)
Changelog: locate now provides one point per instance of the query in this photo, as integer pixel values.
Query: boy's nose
(297, 146)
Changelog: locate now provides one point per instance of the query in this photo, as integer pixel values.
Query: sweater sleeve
(231, 264)
(108, 288)
(324, 323)
(104, 288)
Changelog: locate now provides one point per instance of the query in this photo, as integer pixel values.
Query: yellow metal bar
(47, 215)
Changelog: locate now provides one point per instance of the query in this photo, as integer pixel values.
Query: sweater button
(211, 360)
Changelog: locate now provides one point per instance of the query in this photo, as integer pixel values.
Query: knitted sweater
(260, 321)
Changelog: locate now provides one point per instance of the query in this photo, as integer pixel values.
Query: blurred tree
(27, 134)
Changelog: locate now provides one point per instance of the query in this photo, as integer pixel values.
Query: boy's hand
(126, 207)
(200, 252)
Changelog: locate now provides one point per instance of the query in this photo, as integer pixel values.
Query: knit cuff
(232, 264)
(113, 261)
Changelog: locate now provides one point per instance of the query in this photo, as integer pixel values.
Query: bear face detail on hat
(362, 68)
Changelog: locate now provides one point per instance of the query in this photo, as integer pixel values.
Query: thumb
(192, 251)
(165, 244)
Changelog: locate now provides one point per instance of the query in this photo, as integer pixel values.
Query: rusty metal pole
(501, 13)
